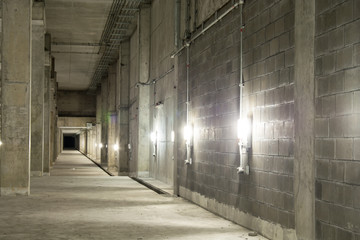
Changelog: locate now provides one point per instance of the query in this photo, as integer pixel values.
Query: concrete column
(304, 162)
(37, 89)
(123, 80)
(98, 124)
(143, 154)
(16, 97)
(52, 104)
(104, 122)
(111, 127)
(46, 160)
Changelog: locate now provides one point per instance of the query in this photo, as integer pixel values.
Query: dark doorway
(69, 142)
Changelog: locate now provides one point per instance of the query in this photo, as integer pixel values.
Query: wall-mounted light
(244, 130)
(116, 147)
(172, 136)
(1, 143)
(188, 137)
(153, 137)
(188, 134)
(100, 145)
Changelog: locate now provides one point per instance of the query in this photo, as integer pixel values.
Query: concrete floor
(79, 201)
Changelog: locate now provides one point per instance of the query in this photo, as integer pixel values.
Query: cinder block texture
(337, 123)
(268, 58)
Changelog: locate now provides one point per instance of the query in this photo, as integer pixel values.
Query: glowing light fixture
(116, 147)
(172, 136)
(1, 143)
(244, 136)
(153, 137)
(244, 129)
(188, 133)
(188, 137)
(100, 145)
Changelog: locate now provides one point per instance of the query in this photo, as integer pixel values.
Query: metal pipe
(208, 27)
(177, 23)
(241, 168)
(187, 83)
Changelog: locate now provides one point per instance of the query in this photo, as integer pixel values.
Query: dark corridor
(69, 142)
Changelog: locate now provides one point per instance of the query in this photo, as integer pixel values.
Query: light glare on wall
(188, 133)
(243, 129)
(100, 145)
(153, 137)
(172, 136)
(116, 147)
(0, 142)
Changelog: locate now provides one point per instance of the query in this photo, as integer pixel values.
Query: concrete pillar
(304, 162)
(123, 89)
(52, 104)
(104, 122)
(112, 122)
(37, 89)
(16, 97)
(143, 154)
(46, 115)
(98, 124)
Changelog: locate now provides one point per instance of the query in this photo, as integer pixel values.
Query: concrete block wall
(337, 55)
(267, 192)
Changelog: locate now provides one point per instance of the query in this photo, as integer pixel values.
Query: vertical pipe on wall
(242, 168)
(177, 23)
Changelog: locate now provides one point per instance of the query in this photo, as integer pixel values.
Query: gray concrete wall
(163, 92)
(76, 104)
(267, 192)
(337, 93)
(139, 96)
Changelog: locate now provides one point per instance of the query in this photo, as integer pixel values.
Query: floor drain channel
(155, 189)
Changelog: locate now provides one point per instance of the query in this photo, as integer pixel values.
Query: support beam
(46, 115)
(98, 124)
(104, 122)
(37, 90)
(143, 154)
(111, 128)
(304, 162)
(16, 97)
(123, 86)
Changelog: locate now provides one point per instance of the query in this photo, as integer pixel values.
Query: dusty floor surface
(79, 201)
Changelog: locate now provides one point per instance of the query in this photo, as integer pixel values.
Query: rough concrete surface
(75, 205)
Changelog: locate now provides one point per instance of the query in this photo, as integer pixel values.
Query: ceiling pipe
(177, 23)
(191, 40)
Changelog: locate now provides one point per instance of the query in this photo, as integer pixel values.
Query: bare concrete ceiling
(76, 27)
